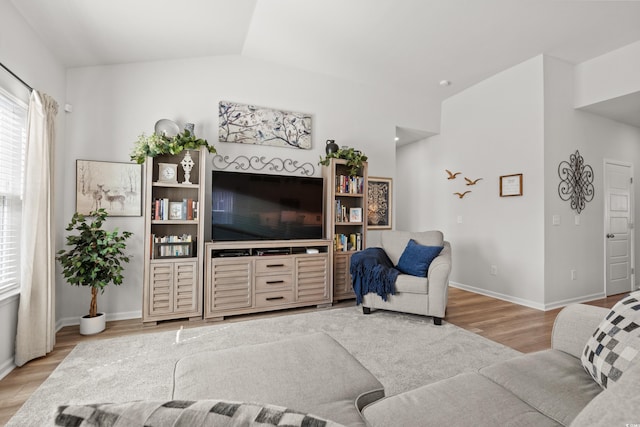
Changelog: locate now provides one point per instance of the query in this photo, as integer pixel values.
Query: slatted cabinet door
(185, 287)
(162, 289)
(311, 272)
(342, 277)
(232, 285)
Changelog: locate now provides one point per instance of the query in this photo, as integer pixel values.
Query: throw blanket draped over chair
(372, 271)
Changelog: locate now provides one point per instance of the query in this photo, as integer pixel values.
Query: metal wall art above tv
(252, 206)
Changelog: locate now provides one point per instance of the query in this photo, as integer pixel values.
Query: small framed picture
(175, 210)
(355, 215)
(511, 185)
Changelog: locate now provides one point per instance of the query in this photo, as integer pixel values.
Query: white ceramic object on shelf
(92, 325)
(167, 127)
(187, 165)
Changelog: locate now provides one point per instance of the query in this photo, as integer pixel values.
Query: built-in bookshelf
(175, 236)
(346, 225)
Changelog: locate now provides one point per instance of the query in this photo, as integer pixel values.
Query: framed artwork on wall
(511, 185)
(379, 203)
(249, 124)
(114, 186)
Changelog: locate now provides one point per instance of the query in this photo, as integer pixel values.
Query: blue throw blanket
(372, 271)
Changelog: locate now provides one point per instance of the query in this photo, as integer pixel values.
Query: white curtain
(36, 315)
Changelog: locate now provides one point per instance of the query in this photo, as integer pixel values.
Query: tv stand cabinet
(253, 276)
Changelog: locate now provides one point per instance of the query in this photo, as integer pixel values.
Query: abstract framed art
(114, 186)
(379, 203)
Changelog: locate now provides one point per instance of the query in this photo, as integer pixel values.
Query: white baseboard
(527, 303)
(577, 300)
(497, 295)
(72, 321)
(6, 367)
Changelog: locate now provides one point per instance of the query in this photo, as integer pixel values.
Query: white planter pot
(92, 325)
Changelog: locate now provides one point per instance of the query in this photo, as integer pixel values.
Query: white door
(618, 227)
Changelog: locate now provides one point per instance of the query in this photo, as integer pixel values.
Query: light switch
(459, 219)
(555, 220)
(577, 219)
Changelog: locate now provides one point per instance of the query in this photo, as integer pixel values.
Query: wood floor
(518, 327)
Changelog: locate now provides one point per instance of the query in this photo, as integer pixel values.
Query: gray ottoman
(311, 373)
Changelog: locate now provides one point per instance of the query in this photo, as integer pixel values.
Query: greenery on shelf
(95, 256)
(355, 159)
(154, 145)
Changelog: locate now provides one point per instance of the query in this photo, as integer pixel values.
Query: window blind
(13, 136)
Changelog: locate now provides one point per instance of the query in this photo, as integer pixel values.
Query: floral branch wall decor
(576, 182)
(248, 124)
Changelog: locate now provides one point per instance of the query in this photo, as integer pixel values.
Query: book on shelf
(349, 184)
(163, 209)
(350, 242)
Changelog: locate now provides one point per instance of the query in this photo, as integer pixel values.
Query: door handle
(609, 236)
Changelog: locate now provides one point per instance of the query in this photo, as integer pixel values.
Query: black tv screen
(251, 206)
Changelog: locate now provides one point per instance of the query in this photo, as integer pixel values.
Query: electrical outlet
(459, 219)
(494, 270)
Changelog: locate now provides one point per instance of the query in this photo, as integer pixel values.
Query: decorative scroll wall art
(116, 187)
(248, 124)
(259, 163)
(576, 182)
(379, 192)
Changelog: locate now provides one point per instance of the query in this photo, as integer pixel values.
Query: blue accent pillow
(416, 258)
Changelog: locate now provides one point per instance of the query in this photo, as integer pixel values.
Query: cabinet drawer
(269, 299)
(270, 283)
(274, 265)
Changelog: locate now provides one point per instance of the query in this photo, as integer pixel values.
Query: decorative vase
(187, 165)
(331, 146)
(92, 325)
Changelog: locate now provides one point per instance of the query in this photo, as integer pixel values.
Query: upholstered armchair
(418, 295)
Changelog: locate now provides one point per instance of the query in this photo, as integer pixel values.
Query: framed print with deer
(114, 186)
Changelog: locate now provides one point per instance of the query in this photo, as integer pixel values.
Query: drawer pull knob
(274, 298)
(274, 282)
(275, 265)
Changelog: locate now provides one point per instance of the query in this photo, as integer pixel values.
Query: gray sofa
(546, 388)
(314, 374)
(426, 296)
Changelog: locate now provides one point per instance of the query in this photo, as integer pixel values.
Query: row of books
(349, 184)
(172, 239)
(347, 214)
(171, 246)
(165, 209)
(351, 242)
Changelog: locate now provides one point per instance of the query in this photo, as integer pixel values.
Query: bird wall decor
(472, 182)
(461, 195)
(452, 175)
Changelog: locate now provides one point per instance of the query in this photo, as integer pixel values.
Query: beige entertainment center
(254, 276)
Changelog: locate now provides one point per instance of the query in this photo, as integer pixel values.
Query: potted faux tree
(94, 259)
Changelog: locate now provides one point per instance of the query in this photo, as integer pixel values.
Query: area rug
(403, 351)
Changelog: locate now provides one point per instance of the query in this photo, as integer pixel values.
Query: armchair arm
(438, 277)
(573, 327)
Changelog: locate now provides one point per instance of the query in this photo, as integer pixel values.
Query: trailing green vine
(355, 159)
(154, 145)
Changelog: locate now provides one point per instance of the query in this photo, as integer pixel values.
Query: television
(254, 206)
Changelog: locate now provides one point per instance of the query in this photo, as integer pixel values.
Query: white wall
(608, 76)
(112, 105)
(25, 55)
(493, 128)
(569, 246)
(522, 120)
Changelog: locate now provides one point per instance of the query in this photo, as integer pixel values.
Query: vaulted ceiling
(405, 45)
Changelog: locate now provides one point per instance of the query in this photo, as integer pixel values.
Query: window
(13, 137)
